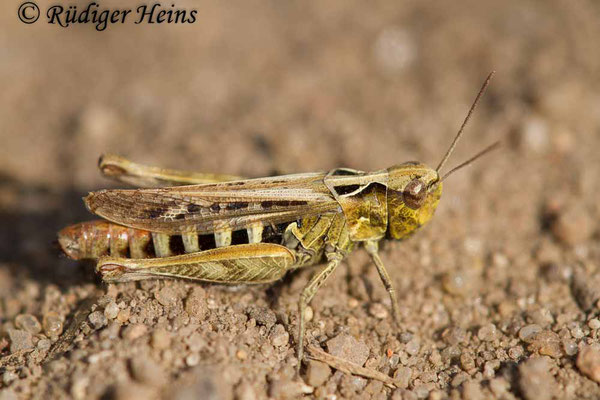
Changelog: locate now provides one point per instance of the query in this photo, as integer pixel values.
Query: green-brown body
(248, 231)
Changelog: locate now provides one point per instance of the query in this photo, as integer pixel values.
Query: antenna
(462, 127)
(470, 160)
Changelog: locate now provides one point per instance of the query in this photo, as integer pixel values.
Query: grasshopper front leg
(372, 248)
(308, 293)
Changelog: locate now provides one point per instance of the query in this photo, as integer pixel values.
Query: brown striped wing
(220, 206)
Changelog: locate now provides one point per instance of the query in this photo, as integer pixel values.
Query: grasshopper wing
(213, 207)
(245, 263)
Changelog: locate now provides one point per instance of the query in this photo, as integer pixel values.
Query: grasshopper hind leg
(239, 264)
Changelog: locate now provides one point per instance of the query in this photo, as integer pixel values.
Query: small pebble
(161, 339)
(454, 335)
(588, 362)
(594, 323)
(287, 389)
(573, 225)
(450, 353)
(535, 380)
(19, 340)
(413, 346)
(570, 347)
(435, 358)
(146, 371)
(546, 343)
(262, 316)
(515, 352)
(576, 331)
(472, 391)
(378, 311)
(123, 315)
(52, 324)
(374, 387)
(490, 367)
(467, 362)
(196, 342)
(457, 283)
(586, 289)
(500, 387)
(308, 314)
(542, 317)
(405, 337)
(135, 331)
(422, 391)
(245, 391)
(487, 333)
(535, 134)
(111, 310)
(317, 373)
(402, 377)
(166, 296)
(527, 332)
(394, 49)
(44, 344)
(130, 390)
(348, 348)
(279, 336)
(79, 387)
(241, 355)
(97, 319)
(9, 376)
(28, 323)
(192, 360)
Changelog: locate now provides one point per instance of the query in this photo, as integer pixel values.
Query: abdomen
(94, 239)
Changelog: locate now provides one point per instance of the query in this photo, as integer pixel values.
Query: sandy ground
(498, 294)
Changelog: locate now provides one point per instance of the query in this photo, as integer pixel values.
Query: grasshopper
(225, 229)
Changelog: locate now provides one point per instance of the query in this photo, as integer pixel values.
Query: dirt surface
(498, 294)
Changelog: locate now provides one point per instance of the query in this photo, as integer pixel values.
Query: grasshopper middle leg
(307, 295)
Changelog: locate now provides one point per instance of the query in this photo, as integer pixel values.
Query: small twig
(349, 367)
(66, 340)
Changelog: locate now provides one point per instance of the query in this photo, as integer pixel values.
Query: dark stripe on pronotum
(345, 189)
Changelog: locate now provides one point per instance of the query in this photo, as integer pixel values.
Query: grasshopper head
(414, 191)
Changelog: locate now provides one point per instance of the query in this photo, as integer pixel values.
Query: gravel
(98, 319)
(279, 336)
(111, 310)
(28, 323)
(588, 362)
(19, 340)
(317, 373)
(535, 380)
(52, 324)
(347, 347)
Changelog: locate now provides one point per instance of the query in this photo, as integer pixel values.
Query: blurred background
(256, 88)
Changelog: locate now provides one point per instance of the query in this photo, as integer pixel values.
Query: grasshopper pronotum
(225, 229)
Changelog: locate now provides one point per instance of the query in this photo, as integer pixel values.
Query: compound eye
(415, 193)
